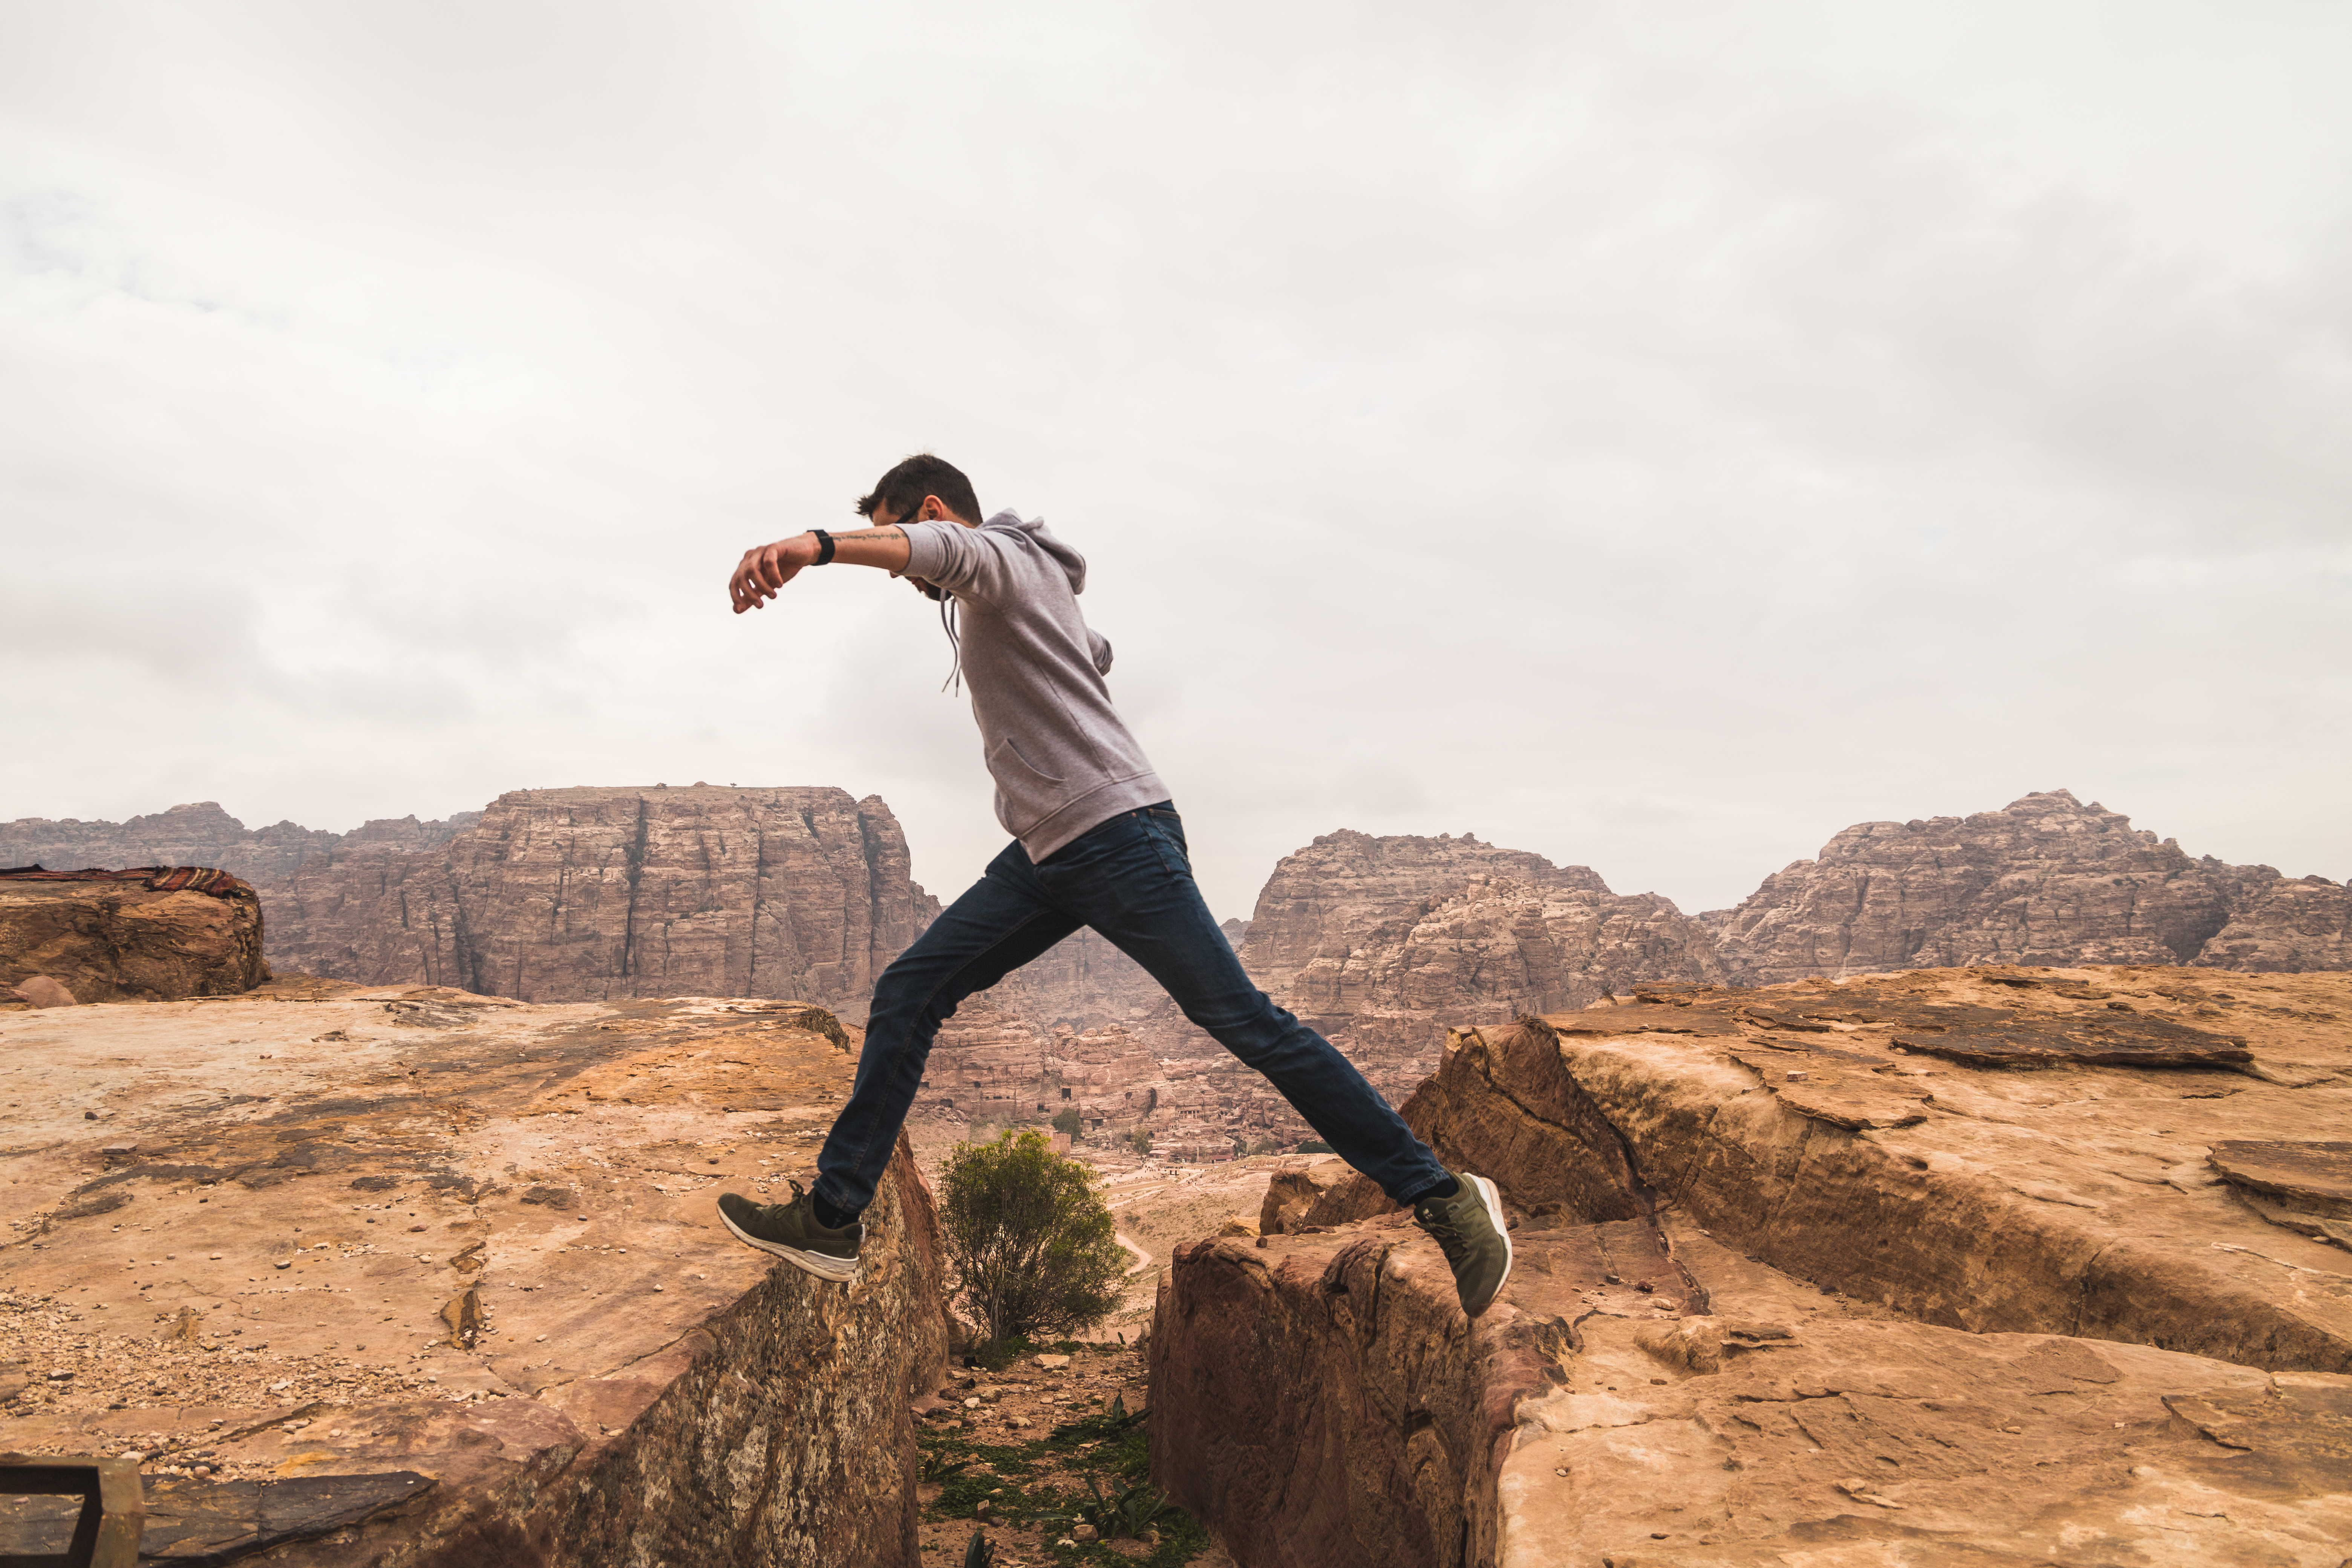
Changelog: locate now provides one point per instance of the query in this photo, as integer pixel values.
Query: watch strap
(823, 546)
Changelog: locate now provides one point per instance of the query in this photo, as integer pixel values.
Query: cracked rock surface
(322, 1231)
(1788, 1290)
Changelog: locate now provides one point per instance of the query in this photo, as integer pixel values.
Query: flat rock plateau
(405, 1275)
(1996, 1266)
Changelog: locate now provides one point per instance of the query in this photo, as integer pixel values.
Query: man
(1096, 843)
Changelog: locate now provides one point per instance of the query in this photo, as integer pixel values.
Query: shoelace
(1439, 1223)
(779, 1209)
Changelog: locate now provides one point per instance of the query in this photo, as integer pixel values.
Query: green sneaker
(1469, 1229)
(792, 1233)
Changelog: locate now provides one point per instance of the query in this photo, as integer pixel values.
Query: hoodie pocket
(1028, 795)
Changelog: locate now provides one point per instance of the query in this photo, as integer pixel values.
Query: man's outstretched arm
(765, 569)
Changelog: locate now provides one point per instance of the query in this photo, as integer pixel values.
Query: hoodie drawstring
(948, 623)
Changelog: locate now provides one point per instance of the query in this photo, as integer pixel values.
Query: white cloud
(1655, 438)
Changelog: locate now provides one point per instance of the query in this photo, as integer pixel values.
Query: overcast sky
(1653, 435)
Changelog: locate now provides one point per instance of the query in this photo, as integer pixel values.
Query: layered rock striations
(1383, 942)
(573, 894)
(2045, 880)
(205, 835)
(1814, 1272)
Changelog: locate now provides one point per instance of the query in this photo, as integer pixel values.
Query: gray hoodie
(1062, 759)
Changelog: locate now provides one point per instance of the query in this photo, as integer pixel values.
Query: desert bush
(1034, 1249)
(1069, 1121)
(1139, 1141)
(1315, 1146)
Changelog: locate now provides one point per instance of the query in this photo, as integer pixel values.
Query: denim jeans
(1130, 880)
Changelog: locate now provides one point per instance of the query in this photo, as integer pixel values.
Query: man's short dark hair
(902, 489)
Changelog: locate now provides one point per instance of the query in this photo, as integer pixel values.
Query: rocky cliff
(1959, 1265)
(205, 835)
(1381, 943)
(2045, 879)
(581, 894)
(437, 1281)
(123, 940)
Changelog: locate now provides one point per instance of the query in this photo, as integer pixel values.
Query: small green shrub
(1139, 1141)
(1070, 1123)
(1317, 1146)
(1034, 1249)
(1128, 1512)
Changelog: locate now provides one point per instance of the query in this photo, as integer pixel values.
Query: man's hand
(766, 568)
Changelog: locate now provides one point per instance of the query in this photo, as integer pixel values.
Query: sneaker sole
(1491, 1197)
(837, 1270)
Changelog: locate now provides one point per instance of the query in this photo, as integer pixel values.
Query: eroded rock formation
(1378, 942)
(119, 940)
(460, 1255)
(1794, 1276)
(571, 894)
(2045, 880)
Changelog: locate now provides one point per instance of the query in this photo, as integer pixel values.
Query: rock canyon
(1381, 943)
(1974, 1192)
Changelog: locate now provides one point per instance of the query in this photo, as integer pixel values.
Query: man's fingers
(745, 587)
(763, 571)
(770, 568)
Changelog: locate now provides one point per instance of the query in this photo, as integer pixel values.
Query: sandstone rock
(1292, 1197)
(1647, 1392)
(41, 991)
(2043, 881)
(116, 939)
(2284, 928)
(638, 1387)
(573, 894)
(2314, 1177)
(1323, 1401)
(2072, 1198)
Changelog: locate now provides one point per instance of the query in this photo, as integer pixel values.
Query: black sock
(1451, 1189)
(829, 1216)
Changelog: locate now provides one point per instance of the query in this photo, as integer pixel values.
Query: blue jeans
(1130, 880)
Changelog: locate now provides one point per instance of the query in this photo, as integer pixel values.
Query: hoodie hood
(1073, 564)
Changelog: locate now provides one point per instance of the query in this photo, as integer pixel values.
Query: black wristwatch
(823, 546)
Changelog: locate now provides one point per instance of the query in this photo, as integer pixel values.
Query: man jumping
(1096, 843)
